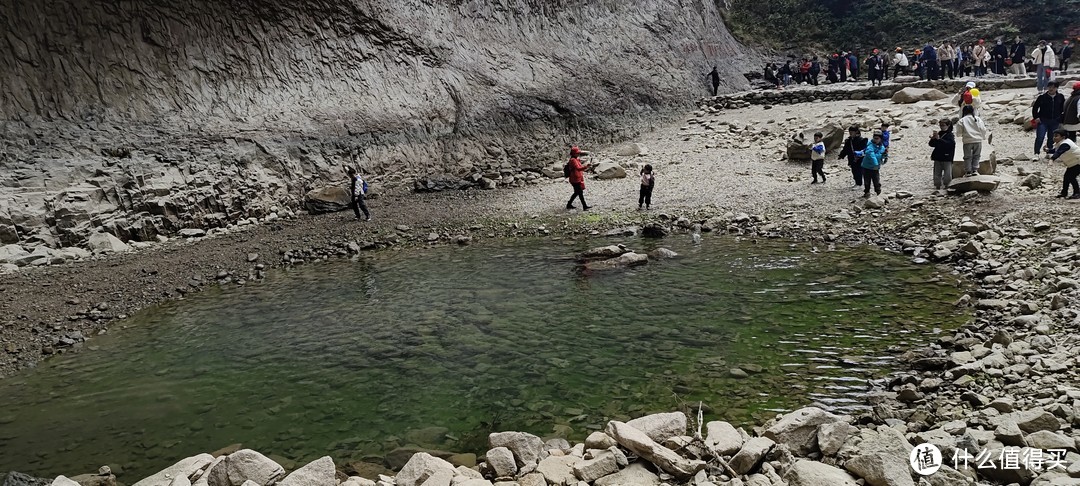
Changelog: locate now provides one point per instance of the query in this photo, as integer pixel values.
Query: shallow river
(438, 347)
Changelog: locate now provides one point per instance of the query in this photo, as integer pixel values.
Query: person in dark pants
(576, 176)
(872, 160)
(944, 143)
(853, 149)
(815, 70)
(1063, 57)
(714, 76)
(1071, 122)
(817, 158)
(1069, 154)
(1049, 109)
(357, 190)
(998, 54)
(648, 181)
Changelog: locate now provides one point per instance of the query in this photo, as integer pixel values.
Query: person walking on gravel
(944, 143)
(1069, 154)
(358, 189)
(1049, 111)
(817, 158)
(575, 173)
(972, 132)
(853, 150)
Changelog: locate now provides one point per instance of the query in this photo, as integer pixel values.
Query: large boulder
(750, 456)
(661, 426)
(610, 251)
(631, 149)
(559, 469)
(526, 447)
(982, 183)
(19, 479)
(501, 461)
(635, 474)
(245, 465)
(723, 437)
(914, 95)
(319, 472)
(609, 170)
(813, 473)
(420, 468)
(102, 242)
(666, 459)
(798, 147)
(329, 199)
(185, 467)
(881, 469)
(799, 429)
(12, 253)
(987, 160)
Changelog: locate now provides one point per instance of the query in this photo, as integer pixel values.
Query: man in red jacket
(577, 178)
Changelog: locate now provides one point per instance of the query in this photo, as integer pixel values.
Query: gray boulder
(102, 242)
(914, 95)
(11, 253)
(799, 429)
(881, 469)
(526, 447)
(982, 183)
(421, 467)
(598, 440)
(501, 461)
(636, 474)
(329, 199)
(798, 148)
(637, 442)
(631, 150)
(661, 426)
(831, 437)
(812, 473)
(723, 437)
(559, 469)
(663, 254)
(609, 170)
(245, 465)
(319, 472)
(609, 251)
(750, 456)
(186, 467)
(14, 478)
(597, 467)
(1046, 440)
(1035, 420)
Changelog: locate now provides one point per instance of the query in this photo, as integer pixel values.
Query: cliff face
(145, 116)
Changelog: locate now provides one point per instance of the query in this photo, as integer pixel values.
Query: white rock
(798, 429)
(723, 437)
(526, 447)
(106, 243)
(502, 462)
(636, 474)
(319, 472)
(558, 469)
(881, 469)
(812, 473)
(751, 454)
(609, 170)
(185, 467)
(420, 468)
(637, 442)
(63, 481)
(661, 426)
(245, 465)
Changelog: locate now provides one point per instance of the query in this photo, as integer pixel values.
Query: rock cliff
(142, 117)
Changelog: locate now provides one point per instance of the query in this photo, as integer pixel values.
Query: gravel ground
(41, 308)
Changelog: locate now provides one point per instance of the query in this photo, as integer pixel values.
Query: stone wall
(145, 116)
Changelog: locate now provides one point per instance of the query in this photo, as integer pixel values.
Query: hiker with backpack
(358, 189)
(574, 171)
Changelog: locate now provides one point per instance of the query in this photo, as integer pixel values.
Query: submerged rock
(621, 261)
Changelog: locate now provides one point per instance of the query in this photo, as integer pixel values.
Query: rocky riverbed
(1006, 382)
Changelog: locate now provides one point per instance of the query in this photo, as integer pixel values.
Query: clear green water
(357, 358)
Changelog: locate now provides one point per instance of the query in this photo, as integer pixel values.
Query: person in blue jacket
(873, 158)
(930, 60)
(854, 60)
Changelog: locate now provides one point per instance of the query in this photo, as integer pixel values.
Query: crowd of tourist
(941, 61)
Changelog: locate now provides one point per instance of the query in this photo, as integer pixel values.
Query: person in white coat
(1044, 60)
(1069, 154)
(972, 132)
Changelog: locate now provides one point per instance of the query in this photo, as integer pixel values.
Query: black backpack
(566, 169)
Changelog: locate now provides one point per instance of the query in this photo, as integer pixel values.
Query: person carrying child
(817, 158)
(648, 181)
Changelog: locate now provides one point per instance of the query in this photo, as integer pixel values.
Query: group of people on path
(929, 62)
